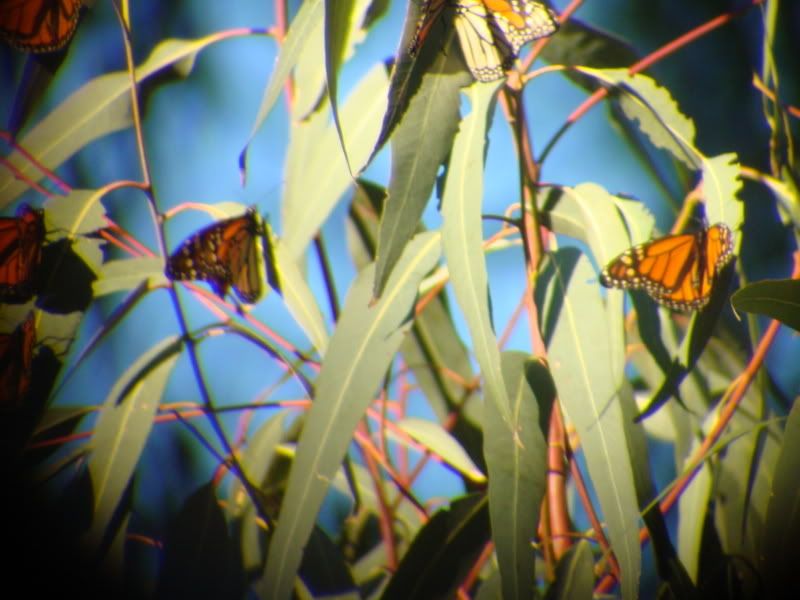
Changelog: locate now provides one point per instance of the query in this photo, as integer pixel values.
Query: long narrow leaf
(366, 340)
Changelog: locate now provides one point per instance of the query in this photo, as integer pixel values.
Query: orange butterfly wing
(39, 25)
(677, 271)
(220, 254)
(21, 241)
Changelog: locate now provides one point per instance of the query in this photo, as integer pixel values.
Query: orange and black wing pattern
(38, 25)
(16, 363)
(226, 254)
(21, 239)
(677, 271)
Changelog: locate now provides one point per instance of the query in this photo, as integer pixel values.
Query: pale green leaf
(316, 173)
(126, 274)
(366, 339)
(574, 321)
(123, 427)
(462, 237)
(436, 439)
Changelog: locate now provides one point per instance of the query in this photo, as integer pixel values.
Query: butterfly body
(677, 271)
(39, 25)
(490, 32)
(21, 239)
(226, 254)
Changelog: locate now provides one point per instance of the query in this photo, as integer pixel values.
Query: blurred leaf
(580, 44)
(199, 559)
(574, 575)
(100, 107)
(420, 144)
(778, 564)
(79, 212)
(462, 235)
(305, 29)
(443, 552)
(123, 426)
(721, 186)
(338, 15)
(516, 458)
(692, 509)
(367, 337)
(324, 569)
(654, 110)
(261, 450)
(436, 439)
(778, 299)
(128, 273)
(300, 300)
(576, 334)
(316, 174)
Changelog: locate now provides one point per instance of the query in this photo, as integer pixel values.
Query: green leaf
(79, 212)
(128, 273)
(306, 28)
(654, 110)
(721, 186)
(436, 439)
(337, 18)
(443, 552)
(462, 236)
(579, 44)
(517, 468)
(366, 339)
(782, 527)
(576, 334)
(692, 508)
(99, 107)
(574, 575)
(300, 299)
(420, 144)
(778, 299)
(316, 173)
(199, 559)
(123, 427)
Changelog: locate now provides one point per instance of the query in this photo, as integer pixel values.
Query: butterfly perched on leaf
(39, 25)
(21, 239)
(677, 271)
(490, 32)
(16, 363)
(228, 254)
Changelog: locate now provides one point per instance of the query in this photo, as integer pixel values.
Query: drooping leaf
(576, 334)
(778, 299)
(443, 552)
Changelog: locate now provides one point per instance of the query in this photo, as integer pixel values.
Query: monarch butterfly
(226, 254)
(677, 271)
(491, 32)
(39, 25)
(16, 363)
(21, 239)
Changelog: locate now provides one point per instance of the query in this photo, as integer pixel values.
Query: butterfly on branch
(490, 32)
(677, 271)
(21, 239)
(232, 253)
